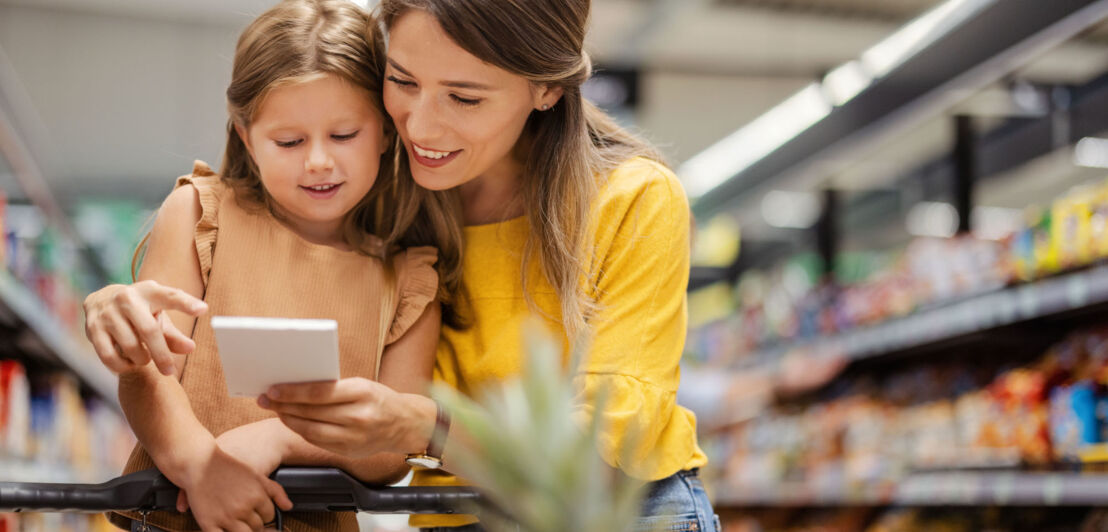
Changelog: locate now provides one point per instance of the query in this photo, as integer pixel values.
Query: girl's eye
(469, 102)
(401, 82)
(347, 136)
(288, 143)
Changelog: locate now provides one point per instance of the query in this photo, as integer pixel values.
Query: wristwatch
(432, 457)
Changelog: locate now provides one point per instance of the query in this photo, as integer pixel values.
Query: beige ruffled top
(252, 265)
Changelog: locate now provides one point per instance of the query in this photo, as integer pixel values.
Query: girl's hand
(257, 445)
(227, 494)
(241, 443)
(128, 326)
(353, 417)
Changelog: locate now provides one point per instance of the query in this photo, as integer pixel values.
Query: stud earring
(545, 107)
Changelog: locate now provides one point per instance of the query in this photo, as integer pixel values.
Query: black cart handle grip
(310, 489)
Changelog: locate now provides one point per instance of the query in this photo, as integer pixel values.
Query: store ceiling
(895, 10)
(124, 93)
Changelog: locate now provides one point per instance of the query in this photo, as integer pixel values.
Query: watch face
(425, 462)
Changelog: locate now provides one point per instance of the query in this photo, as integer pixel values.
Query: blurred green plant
(529, 454)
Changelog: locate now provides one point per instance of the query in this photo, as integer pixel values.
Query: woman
(485, 95)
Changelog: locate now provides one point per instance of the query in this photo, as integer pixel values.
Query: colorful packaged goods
(1072, 229)
(15, 410)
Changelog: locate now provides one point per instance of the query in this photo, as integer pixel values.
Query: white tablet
(260, 352)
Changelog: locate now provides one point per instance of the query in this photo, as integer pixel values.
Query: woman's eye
(347, 136)
(401, 82)
(465, 101)
(288, 143)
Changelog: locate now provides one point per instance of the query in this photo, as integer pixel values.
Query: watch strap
(438, 434)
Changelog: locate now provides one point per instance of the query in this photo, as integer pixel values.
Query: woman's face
(459, 117)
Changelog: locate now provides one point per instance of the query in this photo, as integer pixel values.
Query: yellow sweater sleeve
(630, 375)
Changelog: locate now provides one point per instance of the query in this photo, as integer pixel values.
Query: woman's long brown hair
(567, 148)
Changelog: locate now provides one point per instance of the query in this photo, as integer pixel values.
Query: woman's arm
(630, 374)
(371, 425)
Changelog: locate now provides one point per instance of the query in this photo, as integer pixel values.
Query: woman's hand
(128, 325)
(354, 417)
(227, 494)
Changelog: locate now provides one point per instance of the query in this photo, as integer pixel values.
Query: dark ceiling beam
(883, 11)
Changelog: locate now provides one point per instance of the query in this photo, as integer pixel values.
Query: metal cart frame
(310, 489)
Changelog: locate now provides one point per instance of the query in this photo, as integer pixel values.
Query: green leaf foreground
(533, 455)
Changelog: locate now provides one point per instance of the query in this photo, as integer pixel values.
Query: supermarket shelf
(55, 340)
(20, 470)
(931, 490)
(977, 314)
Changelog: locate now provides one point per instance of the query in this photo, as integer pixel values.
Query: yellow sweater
(639, 274)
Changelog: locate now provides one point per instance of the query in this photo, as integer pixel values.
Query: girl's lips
(434, 163)
(322, 194)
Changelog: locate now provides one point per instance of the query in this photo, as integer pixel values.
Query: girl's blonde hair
(567, 148)
(300, 40)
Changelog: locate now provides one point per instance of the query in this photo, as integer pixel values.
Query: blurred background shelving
(60, 419)
(897, 308)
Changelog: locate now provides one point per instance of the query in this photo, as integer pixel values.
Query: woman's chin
(434, 182)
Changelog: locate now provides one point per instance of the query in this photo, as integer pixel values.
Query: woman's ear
(241, 132)
(546, 96)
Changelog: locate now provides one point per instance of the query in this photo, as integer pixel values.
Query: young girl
(286, 230)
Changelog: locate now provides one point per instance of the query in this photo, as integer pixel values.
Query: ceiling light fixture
(1091, 152)
(760, 137)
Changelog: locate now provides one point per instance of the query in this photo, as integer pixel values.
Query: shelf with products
(44, 337)
(1075, 291)
(48, 265)
(971, 430)
(937, 304)
(916, 519)
(22, 470)
(930, 293)
(48, 427)
(940, 489)
(60, 420)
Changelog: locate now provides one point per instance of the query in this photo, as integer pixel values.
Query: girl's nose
(319, 158)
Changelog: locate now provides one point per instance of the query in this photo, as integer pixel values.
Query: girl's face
(318, 145)
(459, 117)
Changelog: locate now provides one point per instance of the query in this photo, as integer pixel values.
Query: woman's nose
(424, 122)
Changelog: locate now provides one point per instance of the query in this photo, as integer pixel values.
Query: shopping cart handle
(147, 489)
(333, 490)
(310, 489)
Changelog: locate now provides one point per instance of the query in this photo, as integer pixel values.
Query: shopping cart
(311, 489)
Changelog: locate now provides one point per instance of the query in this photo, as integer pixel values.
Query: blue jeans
(675, 503)
(678, 503)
